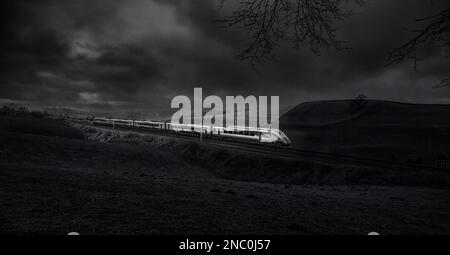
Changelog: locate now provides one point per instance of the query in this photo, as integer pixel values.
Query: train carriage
(146, 124)
(260, 135)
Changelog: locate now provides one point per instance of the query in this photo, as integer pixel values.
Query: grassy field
(56, 185)
(40, 125)
(113, 182)
(237, 165)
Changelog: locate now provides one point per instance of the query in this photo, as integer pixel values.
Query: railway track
(283, 152)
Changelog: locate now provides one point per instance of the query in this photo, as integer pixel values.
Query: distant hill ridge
(373, 112)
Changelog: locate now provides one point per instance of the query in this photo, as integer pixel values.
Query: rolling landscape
(379, 129)
(225, 120)
(59, 176)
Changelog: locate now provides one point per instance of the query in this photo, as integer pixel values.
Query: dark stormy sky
(138, 54)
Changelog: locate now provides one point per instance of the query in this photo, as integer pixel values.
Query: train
(253, 134)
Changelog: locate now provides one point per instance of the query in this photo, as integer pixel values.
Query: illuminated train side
(260, 135)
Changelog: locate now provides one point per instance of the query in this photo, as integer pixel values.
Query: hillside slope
(380, 129)
(57, 185)
(373, 112)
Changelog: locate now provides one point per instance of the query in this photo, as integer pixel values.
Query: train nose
(283, 138)
(286, 140)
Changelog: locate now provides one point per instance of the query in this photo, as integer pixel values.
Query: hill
(373, 112)
(379, 129)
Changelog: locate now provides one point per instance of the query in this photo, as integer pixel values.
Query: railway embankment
(248, 166)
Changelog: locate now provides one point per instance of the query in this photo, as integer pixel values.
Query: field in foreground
(55, 185)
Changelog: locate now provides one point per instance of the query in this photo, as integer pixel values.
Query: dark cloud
(139, 54)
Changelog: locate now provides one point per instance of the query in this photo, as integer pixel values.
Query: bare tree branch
(435, 31)
(300, 22)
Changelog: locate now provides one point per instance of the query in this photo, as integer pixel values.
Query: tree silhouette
(306, 23)
(300, 22)
(358, 103)
(434, 31)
